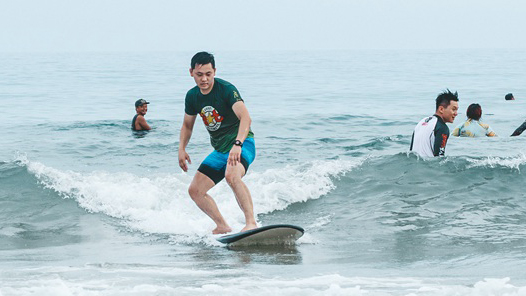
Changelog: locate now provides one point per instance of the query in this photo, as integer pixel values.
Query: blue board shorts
(214, 165)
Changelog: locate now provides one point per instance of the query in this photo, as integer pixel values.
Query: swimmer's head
(140, 102)
(445, 98)
(509, 97)
(447, 106)
(474, 111)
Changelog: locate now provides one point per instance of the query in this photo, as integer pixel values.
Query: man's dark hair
(445, 98)
(203, 58)
(474, 111)
(509, 97)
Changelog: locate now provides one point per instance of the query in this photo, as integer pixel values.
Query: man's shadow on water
(271, 254)
(274, 254)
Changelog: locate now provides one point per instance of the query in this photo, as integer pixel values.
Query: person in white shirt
(431, 133)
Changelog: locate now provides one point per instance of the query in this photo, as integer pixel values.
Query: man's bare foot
(249, 227)
(222, 230)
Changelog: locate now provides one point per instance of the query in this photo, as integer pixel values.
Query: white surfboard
(278, 234)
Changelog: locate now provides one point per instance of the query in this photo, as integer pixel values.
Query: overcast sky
(171, 25)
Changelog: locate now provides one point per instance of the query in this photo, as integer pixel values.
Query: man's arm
(441, 136)
(519, 130)
(184, 138)
(241, 112)
(142, 123)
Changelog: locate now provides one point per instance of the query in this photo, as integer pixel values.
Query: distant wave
(349, 117)
(96, 125)
(378, 143)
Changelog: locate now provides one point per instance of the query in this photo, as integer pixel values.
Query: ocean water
(88, 207)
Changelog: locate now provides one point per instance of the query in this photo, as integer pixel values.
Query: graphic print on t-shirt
(211, 118)
(237, 97)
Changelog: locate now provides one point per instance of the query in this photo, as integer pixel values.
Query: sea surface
(88, 207)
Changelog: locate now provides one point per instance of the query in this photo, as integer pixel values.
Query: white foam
(160, 204)
(128, 282)
(10, 231)
(339, 285)
(275, 189)
(319, 222)
(493, 162)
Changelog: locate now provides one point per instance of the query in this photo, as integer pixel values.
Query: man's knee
(200, 186)
(194, 192)
(232, 177)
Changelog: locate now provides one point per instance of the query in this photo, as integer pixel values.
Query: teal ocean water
(88, 207)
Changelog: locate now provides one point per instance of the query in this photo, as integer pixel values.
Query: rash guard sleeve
(441, 136)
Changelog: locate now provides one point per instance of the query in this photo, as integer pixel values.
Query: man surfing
(227, 120)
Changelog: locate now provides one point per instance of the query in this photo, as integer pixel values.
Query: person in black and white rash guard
(431, 133)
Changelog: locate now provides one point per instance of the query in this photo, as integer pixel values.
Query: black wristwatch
(238, 143)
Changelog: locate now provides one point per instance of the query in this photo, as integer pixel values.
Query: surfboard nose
(278, 234)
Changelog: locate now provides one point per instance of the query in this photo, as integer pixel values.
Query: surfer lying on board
(227, 120)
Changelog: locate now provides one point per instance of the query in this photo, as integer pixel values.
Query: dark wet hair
(203, 58)
(509, 97)
(445, 98)
(474, 111)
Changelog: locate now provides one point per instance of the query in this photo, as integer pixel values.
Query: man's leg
(233, 177)
(198, 192)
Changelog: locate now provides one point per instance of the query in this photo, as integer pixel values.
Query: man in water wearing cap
(138, 121)
(431, 133)
(227, 120)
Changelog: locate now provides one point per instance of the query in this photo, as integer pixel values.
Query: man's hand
(235, 155)
(183, 157)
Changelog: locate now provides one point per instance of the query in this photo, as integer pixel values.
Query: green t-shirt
(215, 108)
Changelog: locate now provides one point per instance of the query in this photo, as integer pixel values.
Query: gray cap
(140, 102)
